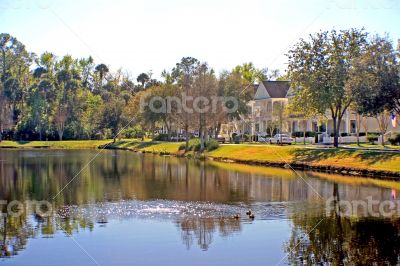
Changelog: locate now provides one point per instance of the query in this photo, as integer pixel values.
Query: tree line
(45, 97)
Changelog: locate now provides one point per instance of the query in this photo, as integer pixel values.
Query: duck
(236, 216)
(251, 216)
(248, 212)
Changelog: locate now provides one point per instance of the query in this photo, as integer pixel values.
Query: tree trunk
(186, 137)
(304, 131)
(202, 146)
(336, 126)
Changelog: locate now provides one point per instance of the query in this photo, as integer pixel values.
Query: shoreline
(378, 174)
(351, 162)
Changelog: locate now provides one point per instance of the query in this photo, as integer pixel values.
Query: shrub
(300, 134)
(132, 133)
(182, 146)
(372, 138)
(236, 139)
(161, 137)
(194, 145)
(344, 134)
(246, 137)
(395, 140)
(212, 144)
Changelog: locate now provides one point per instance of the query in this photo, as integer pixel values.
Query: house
(264, 112)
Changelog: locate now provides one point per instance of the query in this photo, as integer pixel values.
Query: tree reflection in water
(335, 239)
(203, 229)
(121, 177)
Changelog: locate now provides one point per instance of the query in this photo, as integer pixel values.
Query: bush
(246, 137)
(372, 138)
(161, 137)
(344, 134)
(212, 144)
(131, 133)
(194, 145)
(300, 134)
(395, 140)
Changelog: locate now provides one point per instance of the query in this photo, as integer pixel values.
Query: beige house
(262, 120)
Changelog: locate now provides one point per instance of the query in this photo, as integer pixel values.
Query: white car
(262, 138)
(285, 138)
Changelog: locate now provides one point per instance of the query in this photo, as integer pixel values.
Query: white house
(262, 118)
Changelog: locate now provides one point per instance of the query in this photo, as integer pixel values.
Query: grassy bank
(131, 144)
(67, 144)
(313, 157)
(325, 158)
(147, 146)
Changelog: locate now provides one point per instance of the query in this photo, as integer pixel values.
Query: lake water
(124, 208)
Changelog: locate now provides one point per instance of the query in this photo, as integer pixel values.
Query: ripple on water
(172, 210)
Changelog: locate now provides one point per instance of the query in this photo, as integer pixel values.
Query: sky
(153, 35)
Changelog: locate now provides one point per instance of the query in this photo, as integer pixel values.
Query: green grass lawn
(65, 144)
(148, 146)
(357, 159)
(375, 146)
(132, 144)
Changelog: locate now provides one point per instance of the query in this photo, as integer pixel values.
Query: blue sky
(143, 35)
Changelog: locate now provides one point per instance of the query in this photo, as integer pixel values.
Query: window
(353, 125)
(315, 126)
(269, 107)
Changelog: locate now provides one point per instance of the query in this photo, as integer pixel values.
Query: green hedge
(300, 134)
(194, 145)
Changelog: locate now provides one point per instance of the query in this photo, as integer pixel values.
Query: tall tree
(205, 87)
(184, 73)
(321, 67)
(143, 78)
(375, 82)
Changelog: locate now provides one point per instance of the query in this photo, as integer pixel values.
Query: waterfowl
(248, 212)
(251, 216)
(236, 216)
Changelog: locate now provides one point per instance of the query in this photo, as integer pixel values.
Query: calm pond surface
(126, 208)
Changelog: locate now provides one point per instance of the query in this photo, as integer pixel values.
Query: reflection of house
(263, 117)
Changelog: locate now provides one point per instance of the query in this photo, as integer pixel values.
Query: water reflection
(336, 240)
(203, 229)
(199, 198)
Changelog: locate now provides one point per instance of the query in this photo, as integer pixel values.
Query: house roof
(255, 87)
(277, 89)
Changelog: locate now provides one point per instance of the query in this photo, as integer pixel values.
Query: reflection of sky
(151, 242)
